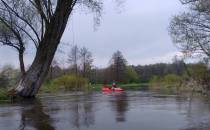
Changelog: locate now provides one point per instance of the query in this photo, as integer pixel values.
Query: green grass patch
(132, 86)
(95, 87)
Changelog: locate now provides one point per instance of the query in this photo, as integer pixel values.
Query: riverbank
(49, 87)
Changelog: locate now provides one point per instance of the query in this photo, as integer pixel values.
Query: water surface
(131, 110)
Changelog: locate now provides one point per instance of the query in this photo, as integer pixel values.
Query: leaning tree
(44, 23)
(190, 30)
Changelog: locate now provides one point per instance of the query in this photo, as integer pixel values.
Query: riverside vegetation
(177, 76)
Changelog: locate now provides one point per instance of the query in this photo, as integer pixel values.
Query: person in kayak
(114, 85)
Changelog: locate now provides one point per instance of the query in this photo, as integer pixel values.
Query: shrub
(4, 82)
(172, 79)
(201, 74)
(3, 95)
(131, 75)
(70, 82)
(166, 81)
(156, 80)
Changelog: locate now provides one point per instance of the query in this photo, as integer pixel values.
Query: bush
(70, 82)
(166, 81)
(131, 75)
(172, 79)
(4, 82)
(201, 74)
(156, 80)
(3, 95)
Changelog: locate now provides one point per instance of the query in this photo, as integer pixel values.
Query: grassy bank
(132, 86)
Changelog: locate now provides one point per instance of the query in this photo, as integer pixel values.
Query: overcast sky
(138, 29)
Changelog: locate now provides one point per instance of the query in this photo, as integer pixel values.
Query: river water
(131, 110)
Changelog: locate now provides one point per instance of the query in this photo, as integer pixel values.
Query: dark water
(132, 110)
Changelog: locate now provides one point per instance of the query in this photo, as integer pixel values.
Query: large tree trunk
(34, 77)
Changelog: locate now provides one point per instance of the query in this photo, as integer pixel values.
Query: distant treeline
(81, 69)
(177, 74)
(147, 72)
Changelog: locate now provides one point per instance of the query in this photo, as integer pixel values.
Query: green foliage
(171, 79)
(147, 72)
(156, 80)
(131, 75)
(69, 82)
(166, 81)
(3, 81)
(3, 95)
(8, 76)
(200, 73)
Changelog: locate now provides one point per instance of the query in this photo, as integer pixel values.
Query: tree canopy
(190, 30)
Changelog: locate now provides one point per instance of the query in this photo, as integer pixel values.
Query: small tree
(73, 59)
(86, 61)
(131, 75)
(118, 67)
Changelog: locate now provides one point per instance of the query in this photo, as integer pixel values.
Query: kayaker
(114, 85)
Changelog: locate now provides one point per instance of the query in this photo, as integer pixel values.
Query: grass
(134, 86)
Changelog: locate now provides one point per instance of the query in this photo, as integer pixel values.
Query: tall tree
(191, 31)
(86, 61)
(73, 58)
(50, 18)
(118, 67)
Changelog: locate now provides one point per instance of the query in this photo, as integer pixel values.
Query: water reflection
(136, 110)
(197, 113)
(82, 111)
(120, 106)
(33, 116)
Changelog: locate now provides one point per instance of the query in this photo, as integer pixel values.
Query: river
(130, 110)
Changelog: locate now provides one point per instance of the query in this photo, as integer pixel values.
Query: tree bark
(22, 66)
(30, 83)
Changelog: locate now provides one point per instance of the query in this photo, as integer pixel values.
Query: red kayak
(109, 89)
